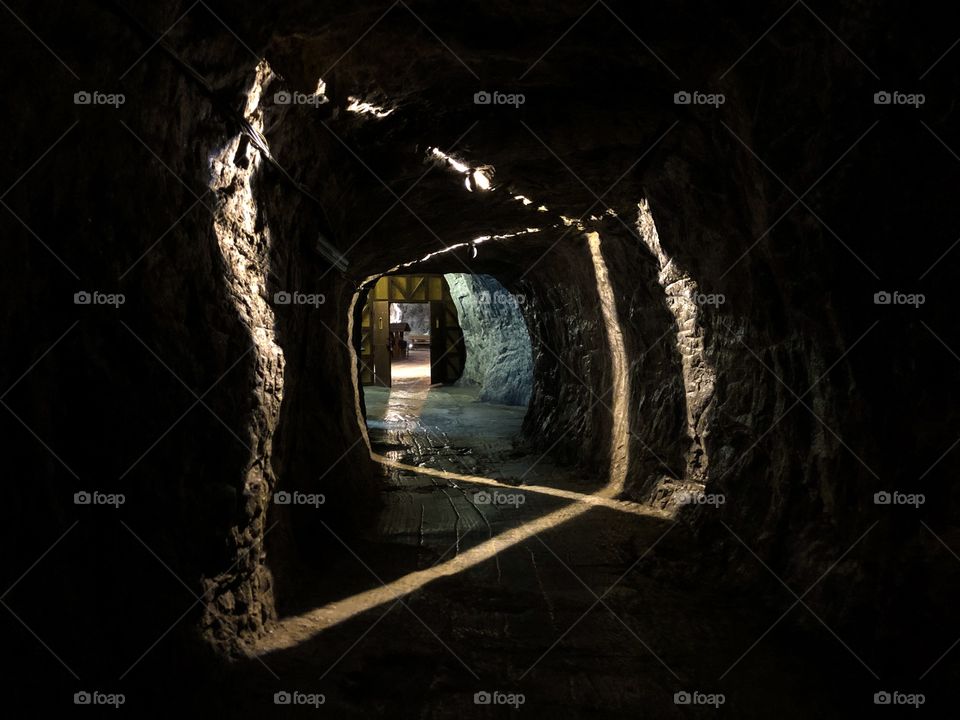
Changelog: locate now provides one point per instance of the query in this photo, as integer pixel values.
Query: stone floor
(487, 573)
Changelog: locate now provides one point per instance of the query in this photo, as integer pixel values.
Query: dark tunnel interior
(430, 360)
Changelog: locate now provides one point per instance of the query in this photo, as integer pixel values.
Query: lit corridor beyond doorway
(413, 370)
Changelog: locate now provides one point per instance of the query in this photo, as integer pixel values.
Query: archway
(380, 341)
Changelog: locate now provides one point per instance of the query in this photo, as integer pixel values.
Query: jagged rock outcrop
(498, 344)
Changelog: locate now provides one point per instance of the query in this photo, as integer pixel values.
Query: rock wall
(498, 344)
(179, 398)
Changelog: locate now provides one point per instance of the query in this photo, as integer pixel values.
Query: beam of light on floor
(625, 506)
(300, 628)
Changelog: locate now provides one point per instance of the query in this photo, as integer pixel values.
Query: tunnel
(418, 360)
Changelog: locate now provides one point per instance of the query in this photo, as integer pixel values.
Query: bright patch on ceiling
(478, 178)
(571, 222)
(503, 236)
(527, 201)
(441, 156)
(363, 107)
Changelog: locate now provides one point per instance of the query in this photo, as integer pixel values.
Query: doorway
(410, 343)
(409, 328)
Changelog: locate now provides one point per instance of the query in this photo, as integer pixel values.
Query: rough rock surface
(498, 344)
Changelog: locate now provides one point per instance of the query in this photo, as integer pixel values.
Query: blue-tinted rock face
(498, 345)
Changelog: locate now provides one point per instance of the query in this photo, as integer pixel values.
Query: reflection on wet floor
(419, 423)
(413, 425)
(403, 402)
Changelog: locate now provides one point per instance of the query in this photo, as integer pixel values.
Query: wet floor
(487, 572)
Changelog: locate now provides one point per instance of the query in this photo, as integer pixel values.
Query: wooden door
(380, 324)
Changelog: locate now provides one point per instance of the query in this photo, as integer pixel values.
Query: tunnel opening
(449, 349)
(457, 492)
(528, 424)
(384, 337)
(700, 379)
(410, 343)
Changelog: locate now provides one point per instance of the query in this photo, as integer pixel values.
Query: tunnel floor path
(589, 617)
